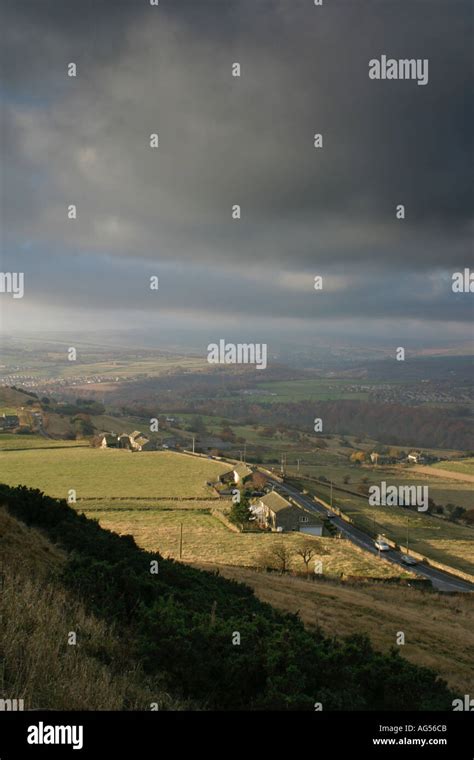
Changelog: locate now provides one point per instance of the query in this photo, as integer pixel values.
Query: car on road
(330, 515)
(407, 559)
(381, 545)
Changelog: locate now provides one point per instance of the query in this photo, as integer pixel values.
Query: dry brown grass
(439, 629)
(26, 548)
(207, 539)
(39, 666)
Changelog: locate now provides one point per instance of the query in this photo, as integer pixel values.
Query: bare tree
(306, 552)
(281, 555)
(277, 557)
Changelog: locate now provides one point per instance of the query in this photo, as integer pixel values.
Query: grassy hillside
(37, 615)
(100, 473)
(11, 399)
(211, 637)
(439, 628)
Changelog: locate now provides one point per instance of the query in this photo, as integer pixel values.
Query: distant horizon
(195, 344)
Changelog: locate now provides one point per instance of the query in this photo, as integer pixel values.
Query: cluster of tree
(25, 392)
(82, 425)
(197, 425)
(280, 556)
(210, 637)
(240, 513)
(80, 406)
(227, 434)
(453, 512)
(358, 457)
(399, 424)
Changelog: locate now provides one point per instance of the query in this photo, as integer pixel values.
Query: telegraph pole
(194, 440)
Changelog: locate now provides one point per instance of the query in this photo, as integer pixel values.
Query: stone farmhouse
(277, 513)
(136, 441)
(240, 474)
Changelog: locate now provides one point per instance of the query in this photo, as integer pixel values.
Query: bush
(182, 622)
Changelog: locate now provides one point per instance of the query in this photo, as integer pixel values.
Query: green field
(126, 368)
(104, 479)
(9, 441)
(101, 473)
(440, 490)
(300, 390)
(464, 466)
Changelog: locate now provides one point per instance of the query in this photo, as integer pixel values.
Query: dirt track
(439, 473)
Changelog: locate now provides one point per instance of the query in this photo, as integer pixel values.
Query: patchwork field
(108, 473)
(464, 466)
(207, 539)
(54, 363)
(443, 490)
(313, 389)
(439, 539)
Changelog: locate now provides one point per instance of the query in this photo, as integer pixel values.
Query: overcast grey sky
(247, 141)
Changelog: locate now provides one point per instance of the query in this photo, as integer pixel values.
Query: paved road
(442, 581)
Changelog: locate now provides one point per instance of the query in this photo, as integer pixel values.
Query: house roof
(141, 440)
(242, 470)
(274, 501)
(278, 503)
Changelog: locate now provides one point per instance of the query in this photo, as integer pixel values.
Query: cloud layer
(246, 141)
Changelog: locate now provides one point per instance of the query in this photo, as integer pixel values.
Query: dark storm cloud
(246, 141)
